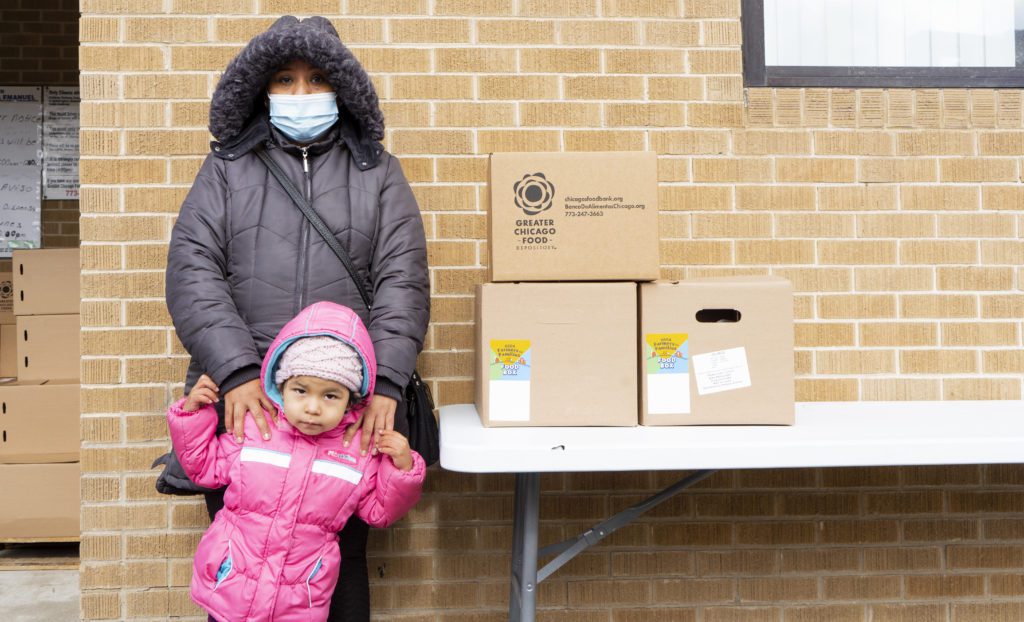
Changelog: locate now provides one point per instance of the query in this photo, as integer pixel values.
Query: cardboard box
(556, 354)
(573, 216)
(717, 351)
(39, 422)
(46, 281)
(48, 347)
(8, 350)
(40, 501)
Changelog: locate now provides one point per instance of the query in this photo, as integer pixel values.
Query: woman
(243, 260)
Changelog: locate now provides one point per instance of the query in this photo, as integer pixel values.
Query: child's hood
(323, 319)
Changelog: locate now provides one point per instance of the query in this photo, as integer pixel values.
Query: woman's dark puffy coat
(243, 260)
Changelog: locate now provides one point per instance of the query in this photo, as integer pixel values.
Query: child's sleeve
(206, 458)
(391, 492)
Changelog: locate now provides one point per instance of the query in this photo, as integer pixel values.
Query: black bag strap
(314, 219)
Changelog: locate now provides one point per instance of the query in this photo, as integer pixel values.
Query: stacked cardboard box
(569, 236)
(564, 338)
(39, 409)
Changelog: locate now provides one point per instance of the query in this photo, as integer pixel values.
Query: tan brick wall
(39, 47)
(898, 215)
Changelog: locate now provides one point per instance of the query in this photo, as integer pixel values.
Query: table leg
(522, 604)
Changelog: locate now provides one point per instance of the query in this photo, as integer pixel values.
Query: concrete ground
(39, 595)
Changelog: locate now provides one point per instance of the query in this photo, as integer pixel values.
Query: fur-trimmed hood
(238, 99)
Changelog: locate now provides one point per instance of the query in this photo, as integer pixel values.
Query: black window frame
(756, 74)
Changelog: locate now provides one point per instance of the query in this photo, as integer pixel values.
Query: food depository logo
(534, 194)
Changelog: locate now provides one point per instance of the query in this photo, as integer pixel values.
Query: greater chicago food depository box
(574, 216)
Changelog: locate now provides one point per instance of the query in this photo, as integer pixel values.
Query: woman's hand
(248, 397)
(391, 443)
(203, 393)
(378, 417)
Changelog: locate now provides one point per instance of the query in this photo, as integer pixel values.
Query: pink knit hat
(322, 357)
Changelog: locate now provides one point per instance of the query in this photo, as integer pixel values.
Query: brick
(166, 30)
(640, 8)
(685, 142)
(491, 141)
(732, 169)
(708, 62)
(981, 389)
(976, 225)
(121, 58)
(558, 8)
(474, 60)
(853, 143)
(858, 252)
(938, 361)
(857, 198)
(816, 504)
(768, 142)
(1002, 306)
(691, 198)
(674, 33)
(903, 502)
(899, 226)
(998, 252)
(202, 57)
(731, 226)
(715, 115)
(457, 281)
(445, 198)
(826, 390)
(933, 143)
(1002, 198)
(598, 32)
(515, 32)
(723, 33)
(603, 140)
(896, 334)
(861, 588)
(760, 104)
(858, 306)
(741, 614)
(855, 362)
(775, 252)
(821, 170)
(724, 88)
(462, 169)
(937, 306)
(684, 89)
(431, 31)
(993, 611)
(969, 556)
(124, 228)
(939, 198)
(646, 115)
(167, 142)
(940, 530)
(775, 198)
(978, 170)
(473, 7)
(882, 170)
(974, 278)
(817, 279)
(431, 87)
(432, 142)
(776, 589)
(557, 114)
(659, 614)
(935, 253)
(674, 169)
(644, 61)
(396, 60)
(560, 60)
(388, 7)
(408, 114)
(899, 389)
(603, 87)
(859, 532)
(517, 87)
(695, 253)
(693, 591)
(99, 142)
(1003, 362)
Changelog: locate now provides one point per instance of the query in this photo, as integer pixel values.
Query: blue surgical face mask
(303, 117)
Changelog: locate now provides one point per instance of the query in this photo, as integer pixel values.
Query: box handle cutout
(5, 408)
(26, 334)
(713, 316)
(5, 436)
(22, 292)
(26, 362)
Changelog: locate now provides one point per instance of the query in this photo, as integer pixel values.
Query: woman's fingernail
(266, 437)
(239, 438)
(345, 443)
(362, 453)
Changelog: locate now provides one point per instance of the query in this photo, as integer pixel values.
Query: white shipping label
(723, 370)
(668, 394)
(509, 401)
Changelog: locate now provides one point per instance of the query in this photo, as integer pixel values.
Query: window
(883, 43)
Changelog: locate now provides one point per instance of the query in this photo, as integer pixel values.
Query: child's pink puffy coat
(272, 552)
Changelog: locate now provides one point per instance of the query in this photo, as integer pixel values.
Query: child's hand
(394, 444)
(203, 393)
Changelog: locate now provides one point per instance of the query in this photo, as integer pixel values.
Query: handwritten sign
(60, 143)
(21, 112)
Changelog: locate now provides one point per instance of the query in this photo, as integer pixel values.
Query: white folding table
(826, 434)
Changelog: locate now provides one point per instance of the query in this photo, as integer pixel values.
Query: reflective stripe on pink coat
(272, 552)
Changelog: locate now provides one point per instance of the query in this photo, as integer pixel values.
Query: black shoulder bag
(423, 434)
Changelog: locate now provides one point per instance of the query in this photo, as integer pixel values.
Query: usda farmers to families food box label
(509, 386)
(667, 365)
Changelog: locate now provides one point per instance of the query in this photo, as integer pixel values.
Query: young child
(272, 552)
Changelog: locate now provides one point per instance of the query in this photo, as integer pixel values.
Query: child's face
(314, 405)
